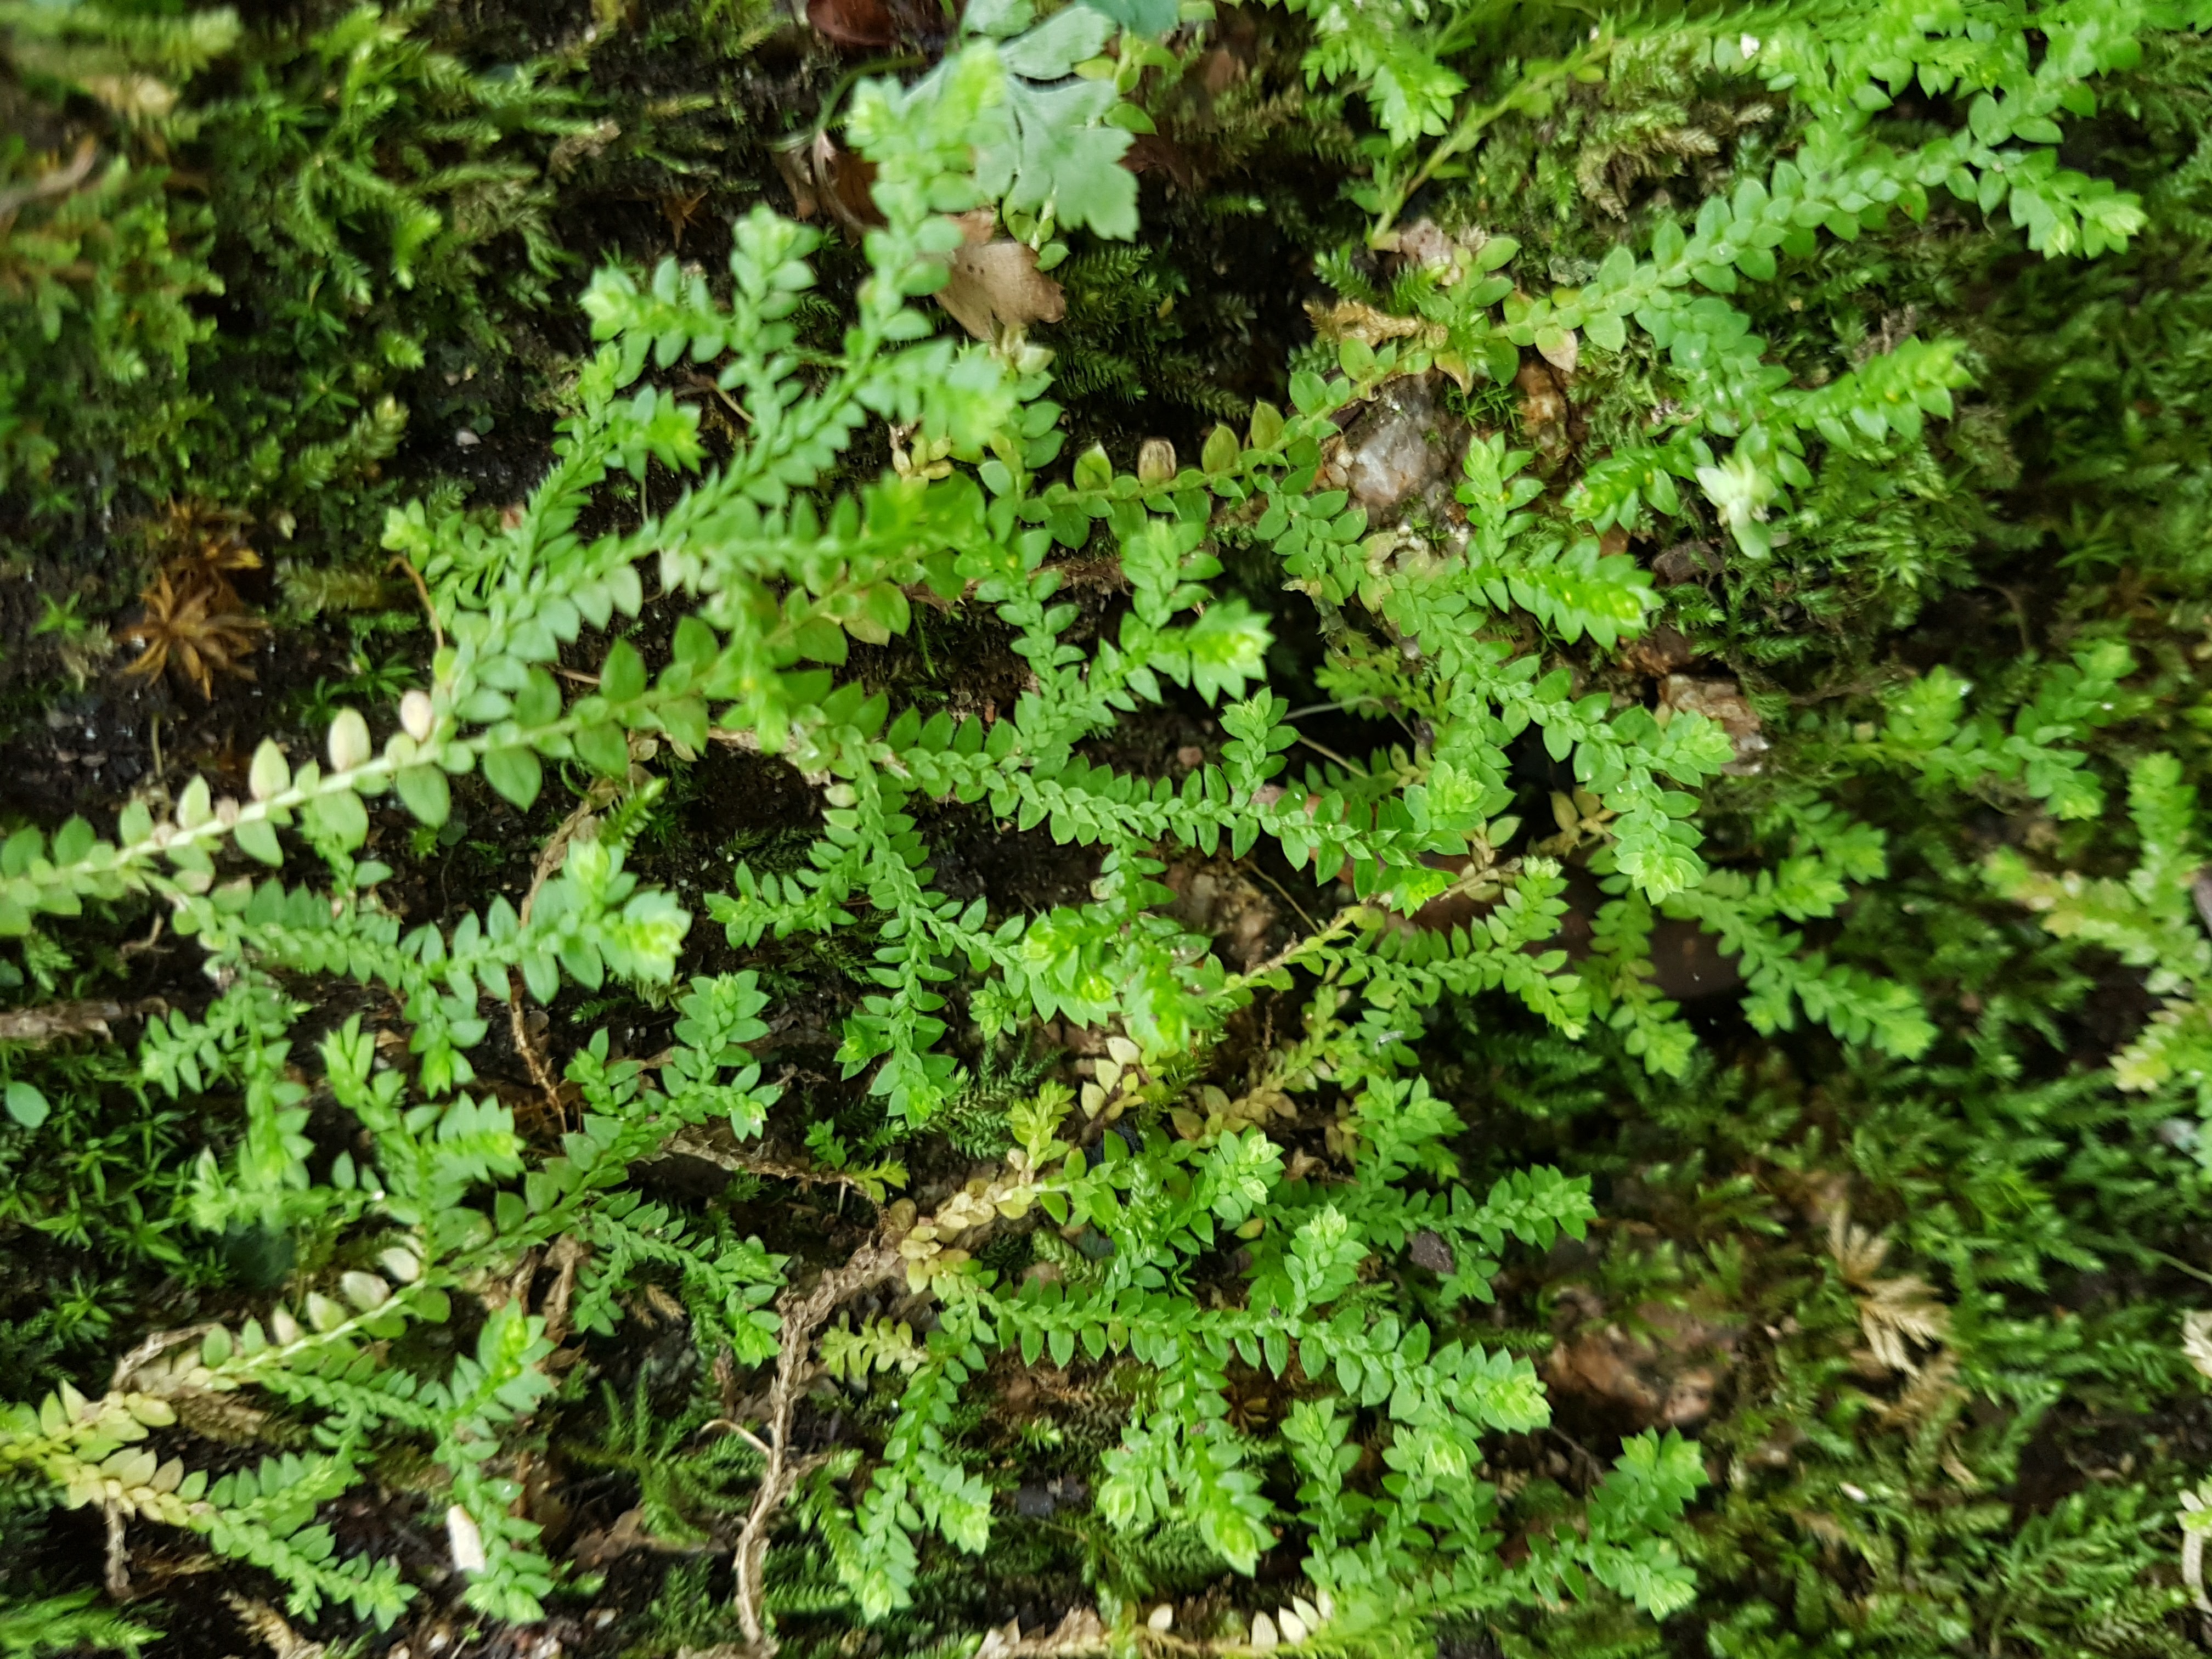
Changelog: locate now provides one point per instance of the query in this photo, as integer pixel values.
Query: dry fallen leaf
(824, 179)
(865, 23)
(995, 288)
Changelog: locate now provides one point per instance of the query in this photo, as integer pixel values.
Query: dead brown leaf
(867, 24)
(1150, 152)
(1217, 898)
(197, 532)
(270, 1626)
(1686, 561)
(681, 209)
(1079, 1633)
(826, 179)
(995, 288)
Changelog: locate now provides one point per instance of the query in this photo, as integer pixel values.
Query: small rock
(1033, 1501)
(1429, 1250)
(1665, 650)
(1720, 701)
(466, 439)
(1423, 243)
(1544, 409)
(1686, 561)
(1393, 451)
(1691, 1399)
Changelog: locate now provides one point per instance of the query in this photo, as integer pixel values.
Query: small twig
(1339, 923)
(577, 675)
(61, 1020)
(2176, 1261)
(1342, 922)
(692, 1143)
(400, 562)
(803, 1316)
(555, 853)
(705, 383)
(60, 182)
(119, 1556)
(541, 1070)
(1356, 769)
(1287, 897)
(730, 1425)
(1329, 708)
(569, 1253)
(550, 859)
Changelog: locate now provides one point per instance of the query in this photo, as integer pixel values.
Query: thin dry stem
(694, 1143)
(400, 562)
(802, 1317)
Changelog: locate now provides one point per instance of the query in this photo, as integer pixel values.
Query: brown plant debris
(1896, 1314)
(1349, 320)
(995, 288)
(826, 179)
(272, 1628)
(63, 1019)
(1213, 896)
(197, 532)
(866, 24)
(1665, 650)
(803, 1316)
(196, 623)
(60, 179)
(1657, 1369)
(1079, 1632)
